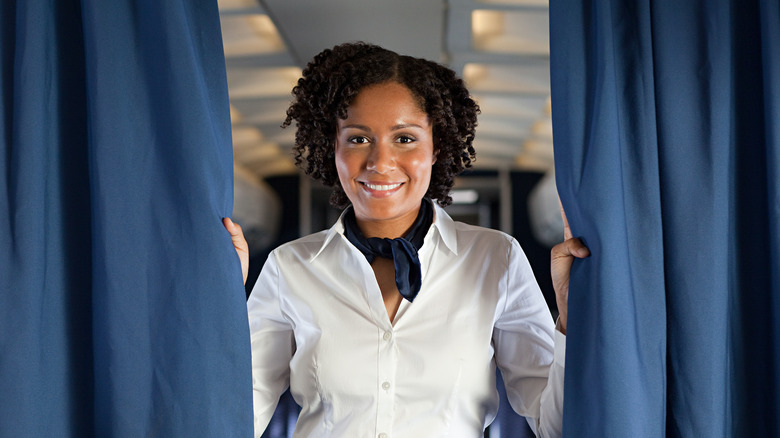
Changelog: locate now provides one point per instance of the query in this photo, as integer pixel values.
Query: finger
(576, 248)
(570, 247)
(239, 243)
(566, 229)
(233, 228)
(236, 234)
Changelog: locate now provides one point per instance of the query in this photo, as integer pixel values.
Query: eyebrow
(394, 128)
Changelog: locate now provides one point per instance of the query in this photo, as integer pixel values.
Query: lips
(382, 187)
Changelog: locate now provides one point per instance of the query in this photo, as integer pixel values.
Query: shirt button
(387, 336)
(382, 435)
(386, 386)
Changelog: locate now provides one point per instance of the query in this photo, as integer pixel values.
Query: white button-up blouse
(319, 325)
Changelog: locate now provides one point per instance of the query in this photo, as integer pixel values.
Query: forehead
(389, 99)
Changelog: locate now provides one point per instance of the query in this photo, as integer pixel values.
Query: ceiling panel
(500, 47)
(411, 27)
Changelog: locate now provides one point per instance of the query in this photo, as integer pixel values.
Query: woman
(391, 323)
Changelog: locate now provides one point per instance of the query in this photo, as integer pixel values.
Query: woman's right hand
(239, 243)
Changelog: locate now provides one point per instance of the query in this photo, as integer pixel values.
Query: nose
(381, 158)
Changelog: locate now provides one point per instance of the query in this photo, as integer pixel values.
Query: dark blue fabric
(666, 118)
(121, 307)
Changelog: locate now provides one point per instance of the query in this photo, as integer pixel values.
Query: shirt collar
(336, 230)
(442, 223)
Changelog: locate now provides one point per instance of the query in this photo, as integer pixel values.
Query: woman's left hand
(239, 243)
(561, 258)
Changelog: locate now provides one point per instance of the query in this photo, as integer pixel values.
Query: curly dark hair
(334, 77)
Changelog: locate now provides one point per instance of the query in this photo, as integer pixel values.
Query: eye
(357, 139)
(406, 139)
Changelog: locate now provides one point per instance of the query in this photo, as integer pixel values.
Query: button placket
(387, 359)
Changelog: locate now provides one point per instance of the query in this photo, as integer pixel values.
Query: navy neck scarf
(402, 250)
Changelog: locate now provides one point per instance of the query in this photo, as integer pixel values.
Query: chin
(384, 212)
(377, 214)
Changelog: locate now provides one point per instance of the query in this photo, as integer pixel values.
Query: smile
(382, 187)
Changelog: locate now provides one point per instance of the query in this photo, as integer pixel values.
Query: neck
(386, 228)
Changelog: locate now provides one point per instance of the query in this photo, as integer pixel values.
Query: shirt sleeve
(529, 351)
(272, 344)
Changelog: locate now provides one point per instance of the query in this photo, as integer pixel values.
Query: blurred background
(499, 47)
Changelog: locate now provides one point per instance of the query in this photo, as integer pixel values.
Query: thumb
(233, 228)
(240, 244)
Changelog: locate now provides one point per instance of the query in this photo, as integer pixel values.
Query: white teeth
(382, 187)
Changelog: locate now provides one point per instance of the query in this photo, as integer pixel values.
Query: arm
(529, 351)
(272, 344)
(545, 414)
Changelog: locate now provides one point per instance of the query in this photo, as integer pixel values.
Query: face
(384, 155)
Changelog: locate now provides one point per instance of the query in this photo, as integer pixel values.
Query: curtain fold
(665, 120)
(121, 310)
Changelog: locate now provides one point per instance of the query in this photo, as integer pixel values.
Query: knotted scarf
(402, 250)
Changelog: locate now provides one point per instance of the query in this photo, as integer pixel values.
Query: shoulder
(304, 247)
(486, 243)
(475, 243)
(461, 237)
(467, 232)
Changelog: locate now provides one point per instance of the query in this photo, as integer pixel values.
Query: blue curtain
(122, 312)
(666, 120)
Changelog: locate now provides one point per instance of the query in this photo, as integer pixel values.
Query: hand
(239, 243)
(561, 259)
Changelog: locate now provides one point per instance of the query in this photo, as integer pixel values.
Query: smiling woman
(332, 82)
(384, 155)
(392, 322)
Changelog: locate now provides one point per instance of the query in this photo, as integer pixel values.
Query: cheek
(342, 166)
(422, 172)
(348, 166)
(424, 166)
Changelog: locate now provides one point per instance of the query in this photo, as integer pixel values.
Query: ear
(435, 156)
